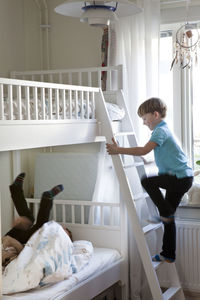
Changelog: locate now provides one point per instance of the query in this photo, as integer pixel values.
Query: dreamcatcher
(186, 46)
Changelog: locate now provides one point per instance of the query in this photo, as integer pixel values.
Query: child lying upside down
(14, 240)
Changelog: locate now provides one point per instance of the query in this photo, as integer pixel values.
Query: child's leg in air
(45, 208)
(18, 198)
(18, 232)
(43, 215)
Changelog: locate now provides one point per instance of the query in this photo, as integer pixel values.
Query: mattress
(101, 259)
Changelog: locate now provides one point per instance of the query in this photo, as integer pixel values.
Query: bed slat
(89, 79)
(109, 81)
(93, 105)
(50, 103)
(82, 104)
(87, 105)
(27, 103)
(10, 101)
(63, 105)
(19, 102)
(99, 79)
(1, 102)
(70, 104)
(76, 104)
(79, 78)
(60, 78)
(70, 78)
(63, 213)
(82, 215)
(73, 214)
(57, 103)
(35, 97)
(43, 103)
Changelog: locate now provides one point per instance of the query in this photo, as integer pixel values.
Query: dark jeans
(20, 203)
(175, 189)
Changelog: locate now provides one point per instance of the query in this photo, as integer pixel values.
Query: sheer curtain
(134, 43)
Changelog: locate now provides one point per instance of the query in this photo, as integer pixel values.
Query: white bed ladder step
(151, 227)
(171, 292)
(129, 197)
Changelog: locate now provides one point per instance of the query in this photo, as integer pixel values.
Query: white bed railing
(83, 76)
(31, 100)
(102, 223)
(101, 214)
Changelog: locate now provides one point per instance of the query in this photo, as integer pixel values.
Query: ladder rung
(156, 264)
(135, 164)
(170, 292)
(124, 133)
(150, 227)
(140, 196)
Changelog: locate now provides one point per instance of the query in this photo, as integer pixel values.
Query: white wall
(11, 36)
(71, 44)
(67, 42)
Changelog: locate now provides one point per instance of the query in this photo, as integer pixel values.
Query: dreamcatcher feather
(186, 46)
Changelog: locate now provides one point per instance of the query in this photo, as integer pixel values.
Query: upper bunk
(54, 107)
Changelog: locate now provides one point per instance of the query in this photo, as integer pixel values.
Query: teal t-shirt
(169, 157)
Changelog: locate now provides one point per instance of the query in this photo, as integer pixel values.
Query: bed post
(120, 77)
(16, 167)
(124, 284)
(16, 163)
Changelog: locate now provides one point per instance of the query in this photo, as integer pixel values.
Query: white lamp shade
(98, 17)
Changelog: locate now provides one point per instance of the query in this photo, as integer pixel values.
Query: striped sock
(55, 190)
(19, 179)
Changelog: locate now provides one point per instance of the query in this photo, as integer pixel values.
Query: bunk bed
(35, 113)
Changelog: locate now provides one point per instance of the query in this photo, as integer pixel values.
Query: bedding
(115, 111)
(101, 258)
(78, 109)
(49, 256)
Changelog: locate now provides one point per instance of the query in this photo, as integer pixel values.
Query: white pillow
(116, 112)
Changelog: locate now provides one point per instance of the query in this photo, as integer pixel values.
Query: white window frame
(182, 101)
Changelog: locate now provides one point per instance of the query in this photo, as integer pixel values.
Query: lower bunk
(107, 265)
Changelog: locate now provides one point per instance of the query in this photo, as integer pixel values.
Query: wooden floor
(191, 296)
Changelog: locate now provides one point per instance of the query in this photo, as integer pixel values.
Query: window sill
(188, 212)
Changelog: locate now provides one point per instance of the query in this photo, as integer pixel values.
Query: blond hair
(151, 105)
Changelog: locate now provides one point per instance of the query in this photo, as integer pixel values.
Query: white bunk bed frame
(60, 114)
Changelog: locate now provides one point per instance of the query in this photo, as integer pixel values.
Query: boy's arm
(136, 151)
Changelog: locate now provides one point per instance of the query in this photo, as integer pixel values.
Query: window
(196, 117)
(179, 88)
(166, 79)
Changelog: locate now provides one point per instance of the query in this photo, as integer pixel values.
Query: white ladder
(174, 291)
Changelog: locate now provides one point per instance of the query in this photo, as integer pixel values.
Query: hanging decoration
(104, 56)
(186, 47)
(187, 44)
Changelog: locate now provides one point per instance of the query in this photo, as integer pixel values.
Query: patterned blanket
(49, 256)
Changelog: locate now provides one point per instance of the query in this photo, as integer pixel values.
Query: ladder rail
(106, 128)
(138, 232)
(128, 198)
